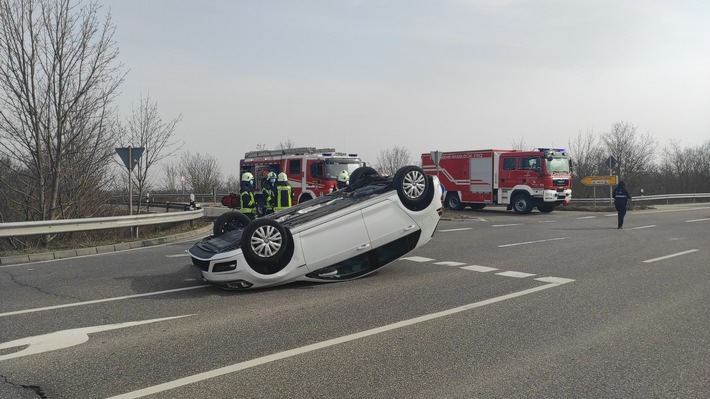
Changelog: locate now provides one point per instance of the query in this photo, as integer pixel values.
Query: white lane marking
(675, 210)
(419, 259)
(176, 256)
(104, 253)
(320, 345)
(482, 269)
(66, 338)
(506, 225)
(586, 217)
(547, 221)
(118, 298)
(532, 242)
(697, 220)
(449, 263)
(460, 229)
(514, 274)
(642, 227)
(690, 251)
(556, 280)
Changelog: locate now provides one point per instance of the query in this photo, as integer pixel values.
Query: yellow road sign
(600, 180)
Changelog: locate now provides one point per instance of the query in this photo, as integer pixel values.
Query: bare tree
(520, 145)
(285, 145)
(587, 159)
(633, 151)
(391, 159)
(59, 72)
(202, 172)
(147, 129)
(171, 173)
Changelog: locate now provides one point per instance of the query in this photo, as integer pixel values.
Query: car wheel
(413, 187)
(303, 198)
(229, 221)
(360, 173)
(522, 204)
(263, 243)
(546, 208)
(453, 202)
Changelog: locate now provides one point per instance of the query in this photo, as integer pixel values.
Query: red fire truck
(311, 171)
(520, 180)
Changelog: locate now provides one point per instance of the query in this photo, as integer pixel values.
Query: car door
(336, 240)
(386, 222)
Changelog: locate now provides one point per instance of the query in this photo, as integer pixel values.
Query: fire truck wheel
(229, 221)
(522, 204)
(546, 208)
(360, 173)
(477, 207)
(453, 202)
(414, 188)
(264, 241)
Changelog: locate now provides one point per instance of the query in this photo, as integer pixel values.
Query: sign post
(600, 181)
(130, 157)
(611, 161)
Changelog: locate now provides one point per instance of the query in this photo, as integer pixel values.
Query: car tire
(263, 242)
(414, 187)
(453, 202)
(229, 221)
(360, 173)
(522, 204)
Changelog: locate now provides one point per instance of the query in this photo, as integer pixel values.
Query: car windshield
(334, 166)
(557, 165)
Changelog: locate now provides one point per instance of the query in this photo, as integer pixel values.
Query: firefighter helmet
(271, 177)
(247, 177)
(282, 177)
(343, 176)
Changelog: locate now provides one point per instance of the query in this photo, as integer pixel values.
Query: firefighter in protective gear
(343, 181)
(247, 203)
(268, 193)
(284, 193)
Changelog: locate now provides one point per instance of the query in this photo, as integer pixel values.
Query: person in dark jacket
(621, 199)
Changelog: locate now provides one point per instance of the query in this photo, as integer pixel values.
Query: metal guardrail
(659, 198)
(71, 225)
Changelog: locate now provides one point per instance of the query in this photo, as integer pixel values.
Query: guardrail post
(167, 206)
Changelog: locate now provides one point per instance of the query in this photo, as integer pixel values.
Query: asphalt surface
(497, 305)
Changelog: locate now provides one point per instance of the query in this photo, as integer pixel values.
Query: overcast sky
(362, 76)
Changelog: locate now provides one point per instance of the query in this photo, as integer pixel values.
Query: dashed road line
(690, 251)
(419, 259)
(506, 225)
(642, 227)
(482, 269)
(449, 263)
(586, 217)
(697, 220)
(515, 274)
(531, 242)
(459, 229)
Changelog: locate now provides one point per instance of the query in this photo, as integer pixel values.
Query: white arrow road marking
(66, 338)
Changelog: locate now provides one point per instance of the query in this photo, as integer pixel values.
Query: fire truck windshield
(333, 167)
(557, 165)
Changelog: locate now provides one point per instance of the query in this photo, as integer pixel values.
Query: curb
(70, 253)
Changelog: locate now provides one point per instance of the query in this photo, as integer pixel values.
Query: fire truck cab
(312, 172)
(521, 180)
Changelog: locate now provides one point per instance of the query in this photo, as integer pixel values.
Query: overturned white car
(340, 236)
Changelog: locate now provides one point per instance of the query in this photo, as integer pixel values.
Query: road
(497, 305)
